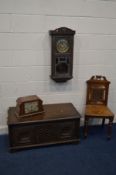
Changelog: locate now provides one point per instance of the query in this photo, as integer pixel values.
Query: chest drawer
(22, 135)
(57, 131)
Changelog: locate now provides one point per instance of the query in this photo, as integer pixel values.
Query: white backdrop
(25, 58)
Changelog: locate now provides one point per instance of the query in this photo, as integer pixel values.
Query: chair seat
(98, 111)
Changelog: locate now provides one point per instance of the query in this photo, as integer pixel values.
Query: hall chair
(96, 103)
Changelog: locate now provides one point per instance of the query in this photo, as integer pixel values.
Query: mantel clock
(62, 54)
(28, 106)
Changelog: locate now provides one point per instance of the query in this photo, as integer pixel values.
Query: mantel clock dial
(31, 107)
(62, 54)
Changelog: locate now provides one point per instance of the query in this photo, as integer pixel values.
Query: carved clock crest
(62, 41)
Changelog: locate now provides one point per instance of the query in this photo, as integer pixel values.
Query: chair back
(97, 90)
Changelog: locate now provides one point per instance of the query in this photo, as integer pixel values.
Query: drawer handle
(25, 140)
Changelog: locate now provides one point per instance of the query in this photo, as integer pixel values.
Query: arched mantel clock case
(62, 41)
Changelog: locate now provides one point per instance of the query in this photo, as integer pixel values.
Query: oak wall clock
(62, 41)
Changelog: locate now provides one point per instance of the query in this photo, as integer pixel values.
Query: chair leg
(86, 127)
(110, 128)
(103, 122)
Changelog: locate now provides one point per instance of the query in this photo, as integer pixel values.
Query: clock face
(31, 107)
(62, 45)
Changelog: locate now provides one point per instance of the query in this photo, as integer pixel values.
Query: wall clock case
(62, 41)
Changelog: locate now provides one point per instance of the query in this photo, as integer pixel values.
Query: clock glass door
(31, 107)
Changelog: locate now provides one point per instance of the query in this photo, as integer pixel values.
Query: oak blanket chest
(60, 123)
